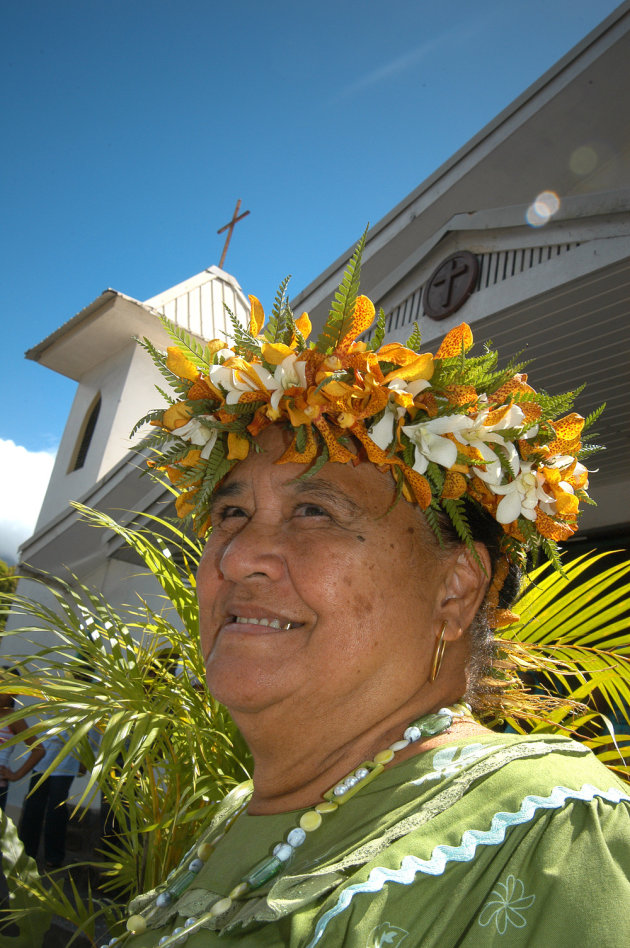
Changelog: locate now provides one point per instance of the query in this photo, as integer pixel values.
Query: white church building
(524, 233)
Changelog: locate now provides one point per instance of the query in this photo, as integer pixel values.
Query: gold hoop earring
(438, 654)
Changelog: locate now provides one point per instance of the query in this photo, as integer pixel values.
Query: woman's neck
(294, 768)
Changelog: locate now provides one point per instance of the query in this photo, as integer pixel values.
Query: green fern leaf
(339, 322)
(590, 420)
(280, 322)
(414, 339)
(379, 332)
(246, 345)
(319, 462)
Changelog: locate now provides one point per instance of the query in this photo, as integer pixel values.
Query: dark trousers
(47, 806)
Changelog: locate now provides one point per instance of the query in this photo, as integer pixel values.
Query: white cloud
(24, 477)
(393, 68)
(451, 39)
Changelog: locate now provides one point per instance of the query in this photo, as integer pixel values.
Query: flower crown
(453, 430)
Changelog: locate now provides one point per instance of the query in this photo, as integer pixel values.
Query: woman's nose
(255, 552)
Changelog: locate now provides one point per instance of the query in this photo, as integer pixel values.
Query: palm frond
(574, 637)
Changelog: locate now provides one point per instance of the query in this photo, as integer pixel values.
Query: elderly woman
(369, 507)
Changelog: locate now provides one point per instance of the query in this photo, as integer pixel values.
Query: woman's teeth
(271, 623)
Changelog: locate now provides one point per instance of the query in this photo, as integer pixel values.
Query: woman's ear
(467, 580)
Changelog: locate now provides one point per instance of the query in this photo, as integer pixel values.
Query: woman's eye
(227, 513)
(311, 510)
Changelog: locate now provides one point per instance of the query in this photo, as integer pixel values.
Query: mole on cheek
(360, 538)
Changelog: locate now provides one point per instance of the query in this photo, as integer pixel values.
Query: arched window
(86, 436)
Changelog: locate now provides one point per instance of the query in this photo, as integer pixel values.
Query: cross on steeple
(236, 217)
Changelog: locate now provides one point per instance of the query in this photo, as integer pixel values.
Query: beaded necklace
(179, 880)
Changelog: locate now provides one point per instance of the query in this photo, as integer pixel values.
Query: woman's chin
(246, 687)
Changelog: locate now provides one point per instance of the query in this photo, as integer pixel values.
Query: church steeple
(115, 378)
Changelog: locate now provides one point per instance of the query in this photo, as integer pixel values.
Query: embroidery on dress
(386, 936)
(449, 760)
(506, 905)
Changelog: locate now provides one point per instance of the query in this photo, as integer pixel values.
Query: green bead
(434, 724)
(264, 870)
(181, 884)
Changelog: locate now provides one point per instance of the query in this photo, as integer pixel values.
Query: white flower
(382, 433)
(196, 432)
(480, 436)
(235, 381)
(290, 373)
(429, 443)
(521, 496)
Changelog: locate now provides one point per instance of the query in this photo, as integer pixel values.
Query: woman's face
(317, 594)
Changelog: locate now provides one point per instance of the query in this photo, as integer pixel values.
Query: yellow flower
(303, 325)
(275, 352)
(345, 420)
(256, 316)
(176, 416)
(185, 503)
(179, 365)
(214, 346)
(421, 367)
(238, 446)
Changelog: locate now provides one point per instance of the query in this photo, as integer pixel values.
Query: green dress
(496, 840)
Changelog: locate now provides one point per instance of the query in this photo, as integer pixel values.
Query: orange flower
(293, 456)
(501, 618)
(419, 485)
(362, 319)
(511, 389)
(336, 451)
(301, 411)
(553, 530)
(462, 395)
(452, 344)
(455, 485)
(203, 388)
(568, 431)
(566, 502)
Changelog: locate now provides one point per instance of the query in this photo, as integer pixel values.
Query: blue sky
(131, 127)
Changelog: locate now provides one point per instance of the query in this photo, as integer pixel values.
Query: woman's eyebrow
(326, 491)
(233, 489)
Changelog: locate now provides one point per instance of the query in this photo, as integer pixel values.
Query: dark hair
(487, 666)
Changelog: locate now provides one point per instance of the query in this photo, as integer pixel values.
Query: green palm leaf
(574, 633)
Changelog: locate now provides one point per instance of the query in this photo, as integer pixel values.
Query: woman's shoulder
(515, 766)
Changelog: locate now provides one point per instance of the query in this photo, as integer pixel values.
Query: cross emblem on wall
(450, 285)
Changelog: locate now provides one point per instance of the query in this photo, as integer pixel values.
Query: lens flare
(583, 160)
(542, 209)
